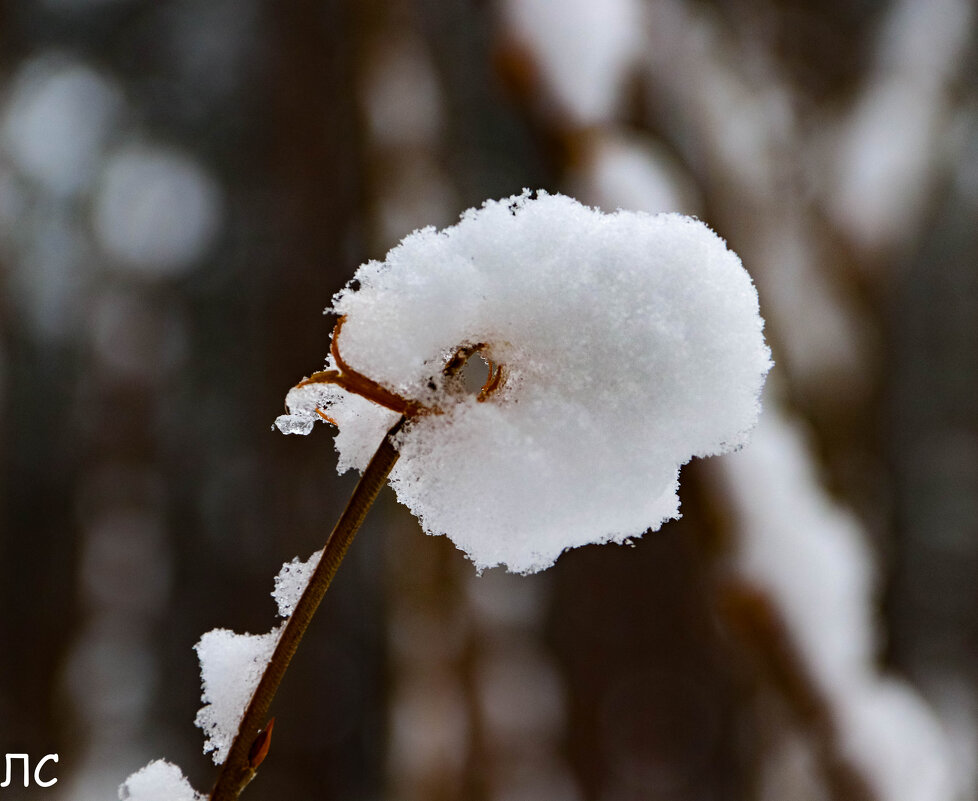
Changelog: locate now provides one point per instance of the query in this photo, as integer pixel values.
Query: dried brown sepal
(259, 748)
(493, 381)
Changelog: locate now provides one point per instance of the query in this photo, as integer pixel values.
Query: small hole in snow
(474, 374)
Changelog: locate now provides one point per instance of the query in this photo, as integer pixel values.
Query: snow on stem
(240, 766)
(620, 346)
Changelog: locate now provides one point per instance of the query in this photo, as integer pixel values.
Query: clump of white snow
(231, 665)
(291, 582)
(584, 50)
(890, 731)
(158, 781)
(811, 557)
(628, 344)
(798, 544)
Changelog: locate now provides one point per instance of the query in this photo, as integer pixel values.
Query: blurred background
(185, 183)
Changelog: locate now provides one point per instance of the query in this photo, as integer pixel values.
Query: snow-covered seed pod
(622, 345)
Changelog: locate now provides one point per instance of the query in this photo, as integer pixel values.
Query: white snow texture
(811, 557)
(231, 666)
(158, 781)
(629, 343)
(291, 582)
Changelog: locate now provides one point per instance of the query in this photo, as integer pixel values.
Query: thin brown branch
(356, 382)
(352, 380)
(239, 768)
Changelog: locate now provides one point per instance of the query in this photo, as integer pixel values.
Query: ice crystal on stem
(621, 346)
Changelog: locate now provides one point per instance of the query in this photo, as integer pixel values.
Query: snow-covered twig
(240, 766)
(674, 364)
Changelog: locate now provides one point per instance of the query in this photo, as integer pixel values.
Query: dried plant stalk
(240, 766)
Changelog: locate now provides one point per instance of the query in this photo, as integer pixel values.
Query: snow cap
(231, 665)
(158, 781)
(621, 344)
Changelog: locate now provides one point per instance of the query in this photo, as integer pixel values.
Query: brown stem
(239, 767)
(356, 382)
